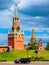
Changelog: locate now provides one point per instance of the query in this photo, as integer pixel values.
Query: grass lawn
(13, 55)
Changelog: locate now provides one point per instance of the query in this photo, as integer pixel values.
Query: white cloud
(3, 38)
(37, 22)
(39, 28)
(5, 4)
(5, 19)
(16, 1)
(37, 17)
(27, 39)
(42, 36)
(26, 3)
(42, 29)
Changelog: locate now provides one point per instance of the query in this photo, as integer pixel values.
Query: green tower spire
(16, 12)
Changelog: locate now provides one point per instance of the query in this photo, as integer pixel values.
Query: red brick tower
(16, 37)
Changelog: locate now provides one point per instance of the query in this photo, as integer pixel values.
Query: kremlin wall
(16, 37)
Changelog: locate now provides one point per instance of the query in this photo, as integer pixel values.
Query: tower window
(22, 35)
(19, 35)
(16, 34)
(15, 18)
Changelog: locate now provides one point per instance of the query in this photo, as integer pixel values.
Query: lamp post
(27, 52)
(27, 49)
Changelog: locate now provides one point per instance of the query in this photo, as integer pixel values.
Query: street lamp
(27, 49)
(27, 52)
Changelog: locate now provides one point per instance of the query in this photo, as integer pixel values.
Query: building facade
(16, 37)
(3, 48)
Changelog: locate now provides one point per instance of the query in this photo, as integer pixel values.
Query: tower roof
(16, 12)
(33, 38)
(33, 35)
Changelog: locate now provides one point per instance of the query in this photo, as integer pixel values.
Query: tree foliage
(32, 46)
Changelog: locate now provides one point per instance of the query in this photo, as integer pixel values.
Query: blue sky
(32, 13)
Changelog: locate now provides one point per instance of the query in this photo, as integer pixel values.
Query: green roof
(16, 13)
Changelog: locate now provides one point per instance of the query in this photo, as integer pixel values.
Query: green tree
(47, 48)
(32, 46)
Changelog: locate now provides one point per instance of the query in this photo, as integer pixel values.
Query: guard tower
(16, 37)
